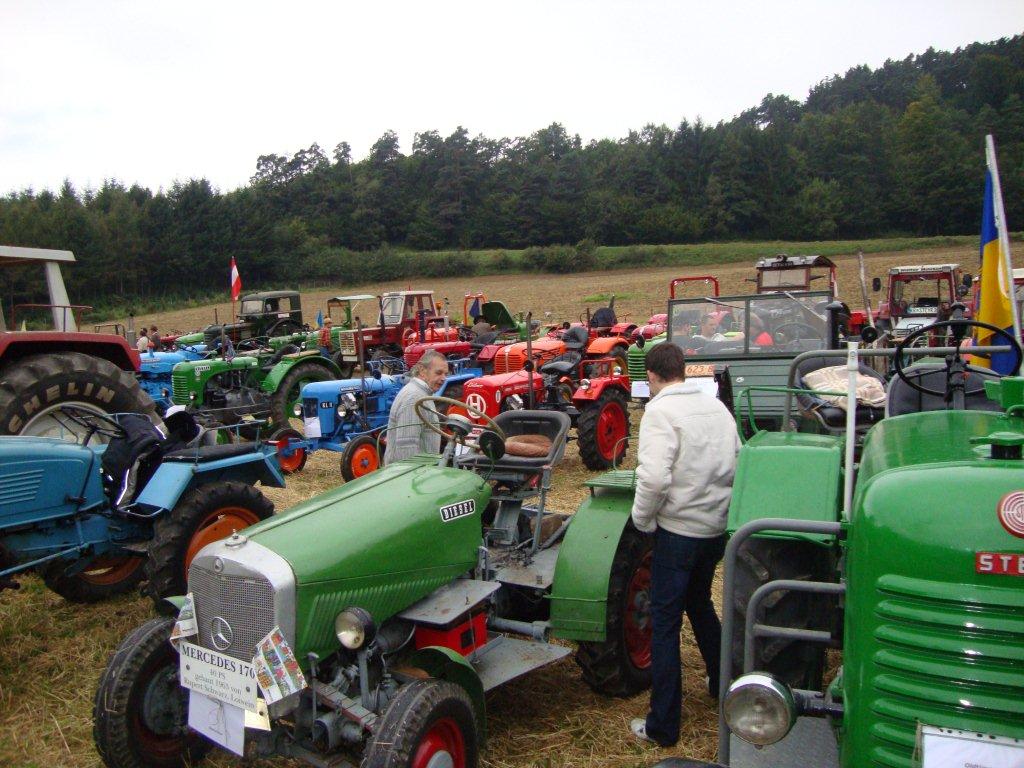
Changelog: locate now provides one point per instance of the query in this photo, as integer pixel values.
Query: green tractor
(262, 386)
(387, 608)
(914, 570)
(341, 310)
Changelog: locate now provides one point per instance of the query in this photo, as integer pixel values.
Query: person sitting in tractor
(709, 328)
(324, 340)
(142, 343)
(406, 435)
(686, 463)
(155, 343)
(481, 326)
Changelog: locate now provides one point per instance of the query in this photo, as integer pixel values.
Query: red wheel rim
(637, 622)
(443, 740)
(218, 525)
(292, 463)
(364, 460)
(110, 569)
(611, 428)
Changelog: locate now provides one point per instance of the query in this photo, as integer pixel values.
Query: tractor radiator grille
(509, 361)
(20, 487)
(347, 342)
(246, 603)
(944, 659)
(637, 366)
(179, 388)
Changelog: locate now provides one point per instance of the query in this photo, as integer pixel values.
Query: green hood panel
(378, 542)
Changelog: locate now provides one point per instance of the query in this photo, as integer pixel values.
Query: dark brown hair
(668, 361)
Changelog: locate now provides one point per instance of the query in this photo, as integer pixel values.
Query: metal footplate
(448, 602)
(506, 658)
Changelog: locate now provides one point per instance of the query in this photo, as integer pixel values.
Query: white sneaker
(638, 725)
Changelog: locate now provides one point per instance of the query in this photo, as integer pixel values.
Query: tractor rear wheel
(207, 514)
(346, 368)
(140, 713)
(429, 723)
(104, 577)
(602, 428)
(360, 457)
(621, 665)
(35, 386)
(296, 460)
(289, 391)
(798, 663)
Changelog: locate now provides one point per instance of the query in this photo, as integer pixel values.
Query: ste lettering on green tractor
(263, 385)
(913, 568)
(386, 608)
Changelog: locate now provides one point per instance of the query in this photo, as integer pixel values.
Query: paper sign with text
(218, 676)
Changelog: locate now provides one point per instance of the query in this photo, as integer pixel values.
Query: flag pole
(1001, 228)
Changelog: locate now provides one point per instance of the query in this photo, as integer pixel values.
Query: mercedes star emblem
(221, 633)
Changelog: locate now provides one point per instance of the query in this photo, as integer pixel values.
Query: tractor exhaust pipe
(529, 362)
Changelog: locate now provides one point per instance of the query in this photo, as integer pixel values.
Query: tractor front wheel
(289, 391)
(360, 457)
(207, 514)
(621, 665)
(798, 663)
(104, 577)
(429, 723)
(140, 714)
(602, 429)
(296, 460)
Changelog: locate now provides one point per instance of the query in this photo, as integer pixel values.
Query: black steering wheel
(781, 338)
(955, 361)
(94, 422)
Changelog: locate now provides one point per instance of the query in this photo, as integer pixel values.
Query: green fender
(279, 371)
(450, 665)
(579, 596)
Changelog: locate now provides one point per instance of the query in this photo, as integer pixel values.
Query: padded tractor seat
(563, 365)
(210, 452)
(576, 338)
(831, 416)
(552, 425)
(902, 398)
(603, 318)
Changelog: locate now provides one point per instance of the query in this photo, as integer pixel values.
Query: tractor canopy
(794, 273)
(341, 309)
(498, 315)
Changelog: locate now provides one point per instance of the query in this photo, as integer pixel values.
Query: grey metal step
(506, 658)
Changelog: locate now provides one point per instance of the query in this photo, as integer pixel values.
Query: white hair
(424, 362)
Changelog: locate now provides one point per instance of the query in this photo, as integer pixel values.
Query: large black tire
(600, 429)
(360, 457)
(103, 578)
(800, 664)
(206, 514)
(140, 712)
(289, 389)
(347, 368)
(431, 714)
(34, 386)
(621, 665)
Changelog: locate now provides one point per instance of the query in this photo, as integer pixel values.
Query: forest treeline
(873, 152)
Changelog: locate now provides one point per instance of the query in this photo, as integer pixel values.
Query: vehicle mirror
(876, 284)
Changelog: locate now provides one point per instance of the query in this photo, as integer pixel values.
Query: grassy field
(52, 652)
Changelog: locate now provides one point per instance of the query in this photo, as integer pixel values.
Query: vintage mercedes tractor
(387, 608)
(350, 416)
(913, 570)
(230, 390)
(127, 502)
(266, 314)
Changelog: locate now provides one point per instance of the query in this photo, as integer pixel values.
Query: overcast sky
(151, 92)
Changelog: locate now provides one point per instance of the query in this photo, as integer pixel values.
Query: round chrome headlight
(759, 709)
(585, 384)
(297, 410)
(354, 628)
(341, 411)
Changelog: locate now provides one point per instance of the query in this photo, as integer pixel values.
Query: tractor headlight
(165, 392)
(759, 709)
(297, 410)
(585, 384)
(191, 395)
(349, 401)
(354, 628)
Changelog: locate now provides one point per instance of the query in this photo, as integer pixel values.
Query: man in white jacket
(406, 434)
(687, 459)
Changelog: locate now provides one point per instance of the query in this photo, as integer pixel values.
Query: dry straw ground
(52, 652)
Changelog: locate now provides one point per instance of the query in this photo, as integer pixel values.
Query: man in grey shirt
(406, 435)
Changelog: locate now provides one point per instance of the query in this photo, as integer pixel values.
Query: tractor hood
(380, 542)
(29, 488)
(328, 391)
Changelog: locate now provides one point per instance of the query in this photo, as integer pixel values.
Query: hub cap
(442, 747)
(611, 428)
(637, 627)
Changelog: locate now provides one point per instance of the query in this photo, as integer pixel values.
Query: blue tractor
(126, 502)
(155, 372)
(350, 415)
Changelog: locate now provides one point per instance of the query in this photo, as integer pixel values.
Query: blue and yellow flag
(320, 319)
(996, 289)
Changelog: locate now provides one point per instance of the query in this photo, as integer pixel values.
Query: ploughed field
(52, 652)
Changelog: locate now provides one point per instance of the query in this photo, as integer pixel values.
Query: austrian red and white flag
(236, 281)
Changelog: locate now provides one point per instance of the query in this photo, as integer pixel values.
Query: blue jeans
(681, 572)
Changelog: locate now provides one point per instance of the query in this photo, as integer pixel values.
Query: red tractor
(42, 370)
(919, 296)
(593, 392)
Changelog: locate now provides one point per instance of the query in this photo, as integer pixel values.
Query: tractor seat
(576, 338)
(483, 340)
(828, 414)
(603, 318)
(564, 365)
(902, 398)
(210, 452)
(552, 426)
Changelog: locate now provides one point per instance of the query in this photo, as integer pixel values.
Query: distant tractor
(41, 370)
(271, 313)
(794, 273)
(342, 311)
(919, 296)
